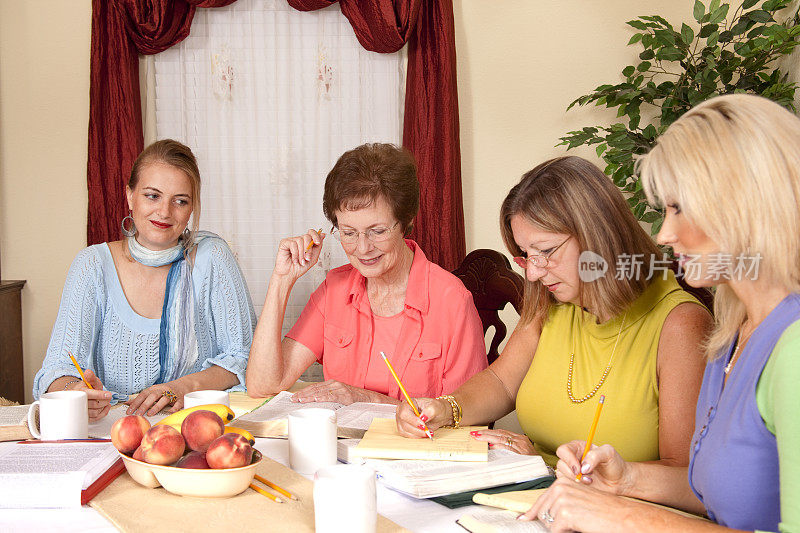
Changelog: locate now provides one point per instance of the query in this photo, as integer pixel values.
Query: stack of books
(422, 478)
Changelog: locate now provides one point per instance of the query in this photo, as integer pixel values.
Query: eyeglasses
(350, 236)
(540, 260)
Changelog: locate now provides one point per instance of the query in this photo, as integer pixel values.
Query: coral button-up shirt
(440, 345)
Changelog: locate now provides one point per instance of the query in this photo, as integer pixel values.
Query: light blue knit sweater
(96, 323)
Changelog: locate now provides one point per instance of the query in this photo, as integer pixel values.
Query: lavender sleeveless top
(733, 466)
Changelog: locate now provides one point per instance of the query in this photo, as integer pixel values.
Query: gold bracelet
(456, 410)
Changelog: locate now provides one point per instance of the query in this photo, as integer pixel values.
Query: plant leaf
(638, 24)
(699, 10)
(687, 34)
(720, 14)
(759, 15)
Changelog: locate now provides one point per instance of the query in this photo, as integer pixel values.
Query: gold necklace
(591, 393)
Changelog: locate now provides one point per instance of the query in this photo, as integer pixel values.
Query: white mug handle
(32, 421)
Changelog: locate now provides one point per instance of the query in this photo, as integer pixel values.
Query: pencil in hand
(428, 432)
(80, 370)
(591, 434)
(312, 244)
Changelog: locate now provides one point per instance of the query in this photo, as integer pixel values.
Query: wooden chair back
(493, 284)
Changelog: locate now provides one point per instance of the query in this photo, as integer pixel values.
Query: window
(268, 98)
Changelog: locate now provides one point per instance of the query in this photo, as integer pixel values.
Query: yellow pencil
(80, 371)
(265, 493)
(276, 487)
(591, 433)
(428, 432)
(311, 244)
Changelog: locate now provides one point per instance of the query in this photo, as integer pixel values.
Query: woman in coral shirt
(389, 299)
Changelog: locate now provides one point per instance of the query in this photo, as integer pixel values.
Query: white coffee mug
(312, 439)
(344, 499)
(62, 415)
(206, 397)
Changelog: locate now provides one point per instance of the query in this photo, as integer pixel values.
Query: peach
(231, 450)
(162, 445)
(200, 428)
(193, 460)
(127, 432)
(138, 454)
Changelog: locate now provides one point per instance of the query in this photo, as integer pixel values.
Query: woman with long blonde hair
(728, 173)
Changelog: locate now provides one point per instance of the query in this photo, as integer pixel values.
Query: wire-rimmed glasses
(377, 234)
(540, 260)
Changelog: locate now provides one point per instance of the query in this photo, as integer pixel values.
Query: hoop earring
(129, 232)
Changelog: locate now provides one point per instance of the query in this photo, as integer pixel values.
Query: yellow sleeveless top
(629, 420)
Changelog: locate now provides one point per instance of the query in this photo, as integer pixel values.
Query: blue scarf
(177, 345)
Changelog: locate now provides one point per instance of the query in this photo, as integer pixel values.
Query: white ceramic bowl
(207, 483)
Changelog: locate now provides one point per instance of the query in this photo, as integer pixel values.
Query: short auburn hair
(364, 173)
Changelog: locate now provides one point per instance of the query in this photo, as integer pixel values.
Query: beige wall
(44, 110)
(520, 62)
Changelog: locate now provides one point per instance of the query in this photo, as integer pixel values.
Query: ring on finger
(509, 441)
(546, 517)
(170, 396)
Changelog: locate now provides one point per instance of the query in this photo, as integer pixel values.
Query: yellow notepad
(382, 441)
(518, 501)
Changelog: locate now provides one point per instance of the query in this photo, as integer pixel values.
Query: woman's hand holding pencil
(431, 412)
(99, 400)
(423, 426)
(296, 255)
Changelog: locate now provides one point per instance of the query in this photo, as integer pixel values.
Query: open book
(427, 479)
(101, 429)
(270, 420)
(38, 474)
(498, 521)
(522, 500)
(14, 422)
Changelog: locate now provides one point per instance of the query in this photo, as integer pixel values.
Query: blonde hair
(732, 163)
(572, 196)
(179, 156)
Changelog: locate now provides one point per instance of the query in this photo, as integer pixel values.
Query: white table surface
(411, 513)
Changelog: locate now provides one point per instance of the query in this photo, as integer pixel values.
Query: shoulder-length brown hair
(572, 196)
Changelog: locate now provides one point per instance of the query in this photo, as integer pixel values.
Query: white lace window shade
(268, 98)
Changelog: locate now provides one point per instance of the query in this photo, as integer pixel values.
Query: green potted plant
(678, 68)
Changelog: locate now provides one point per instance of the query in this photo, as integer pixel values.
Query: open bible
(271, 418)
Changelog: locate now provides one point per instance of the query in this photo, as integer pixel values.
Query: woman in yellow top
(603, 315)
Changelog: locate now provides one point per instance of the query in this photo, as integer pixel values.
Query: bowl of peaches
(191, 452)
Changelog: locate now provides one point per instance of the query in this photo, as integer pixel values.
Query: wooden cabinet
(12, 377)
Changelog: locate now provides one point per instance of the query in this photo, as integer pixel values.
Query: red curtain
(430, 128)
(121, 29)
